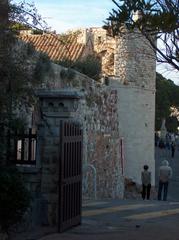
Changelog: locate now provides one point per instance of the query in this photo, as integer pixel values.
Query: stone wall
(37, 212)
(98, 115)
(135, 62)
(49, 157)
(104, 46)
(99, 43)
(103, 150)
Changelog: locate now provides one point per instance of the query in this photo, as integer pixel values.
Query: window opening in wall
(51, 104)
(26, 146)
(61, 104)
(99, 39)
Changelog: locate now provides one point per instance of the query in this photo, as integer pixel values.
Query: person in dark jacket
(146, 182)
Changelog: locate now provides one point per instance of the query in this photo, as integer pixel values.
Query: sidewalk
(125, 219)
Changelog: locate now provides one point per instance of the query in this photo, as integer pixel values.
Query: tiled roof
(55, 46)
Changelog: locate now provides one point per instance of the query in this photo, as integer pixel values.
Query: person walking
(146, 182)
(165, 174)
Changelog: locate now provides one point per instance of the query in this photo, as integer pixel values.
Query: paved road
(132, 219)
(160, 154)
(125, 219)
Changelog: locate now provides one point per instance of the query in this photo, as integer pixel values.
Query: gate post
(55, 106)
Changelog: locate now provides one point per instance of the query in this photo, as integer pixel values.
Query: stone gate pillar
(54, 107)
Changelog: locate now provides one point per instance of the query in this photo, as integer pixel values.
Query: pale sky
(64, 15)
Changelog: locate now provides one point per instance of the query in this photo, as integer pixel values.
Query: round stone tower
(134, 61)
(135, 71)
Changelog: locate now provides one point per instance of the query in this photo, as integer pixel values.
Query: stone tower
(134, 78)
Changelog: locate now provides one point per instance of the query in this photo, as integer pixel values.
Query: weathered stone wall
(49, 157)
(104, 46)
(99, 116)
(103, 150)
(35, 214)
(134, 62)
(98, 42)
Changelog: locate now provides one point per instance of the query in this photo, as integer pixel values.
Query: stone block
(49, 188)
(35, 187)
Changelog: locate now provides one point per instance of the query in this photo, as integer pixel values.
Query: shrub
(89, 65)
(14, 198)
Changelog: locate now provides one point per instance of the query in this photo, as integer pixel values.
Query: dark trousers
(173, 152)
(146, 190)
(163, 188)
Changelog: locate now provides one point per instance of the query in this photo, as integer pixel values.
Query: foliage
(89, 65)
(14, 198)
(166, 96)
(172, 124)
(67, 74)
(26, 14)
(21, 70)
(65, 62)
(42, 66)
(156, 18)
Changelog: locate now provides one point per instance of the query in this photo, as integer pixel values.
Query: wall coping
(60, 94)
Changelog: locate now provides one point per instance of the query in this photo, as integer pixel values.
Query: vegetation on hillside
(167, 95)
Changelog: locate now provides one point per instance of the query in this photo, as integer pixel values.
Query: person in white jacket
(165, 174)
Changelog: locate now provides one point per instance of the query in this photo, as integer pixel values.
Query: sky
(64, 15)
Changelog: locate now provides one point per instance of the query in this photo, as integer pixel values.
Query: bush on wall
(90, 66)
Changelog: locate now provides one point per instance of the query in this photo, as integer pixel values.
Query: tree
(153, 19)
(14, 198)
(21, 70)
(26, 14)
(172, 124)
(166, 97)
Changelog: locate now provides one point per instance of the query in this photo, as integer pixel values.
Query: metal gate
(70, 191)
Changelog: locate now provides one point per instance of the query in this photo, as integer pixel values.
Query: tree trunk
(4, 9)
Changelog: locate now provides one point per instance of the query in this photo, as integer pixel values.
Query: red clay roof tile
(55, 46)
